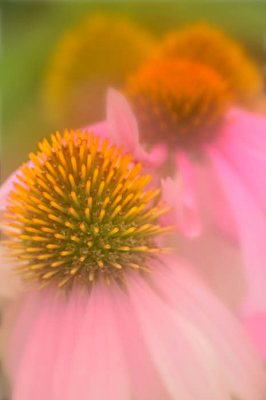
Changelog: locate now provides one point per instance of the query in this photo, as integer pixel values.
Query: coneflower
(209, 45)
(116, 316)
(218, 152)
(84, 63)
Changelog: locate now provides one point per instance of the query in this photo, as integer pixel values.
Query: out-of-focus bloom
(119, 318)
(171, 95)
(211, 46)
(220, 166)
(100, 51)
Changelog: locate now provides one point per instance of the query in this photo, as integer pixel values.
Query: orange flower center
(178, 100)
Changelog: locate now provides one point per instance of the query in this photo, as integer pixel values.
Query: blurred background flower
(34, 32)
(100, 51)
(176, 98)
(209, 45)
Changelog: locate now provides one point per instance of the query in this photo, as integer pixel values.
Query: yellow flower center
(96, 53)
(177, 100)
(81, 211)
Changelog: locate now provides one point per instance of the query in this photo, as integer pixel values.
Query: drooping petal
(134, 345)
(71, 346)
(122, 124)
(219, 263)
(146, 381)
(238, 368)
(33, 374)
(214, 252)
(16, 324)
(98, 364)
(251, 225)
(70, 324)
(243, 140)
(182, 367)
(123, 131)
(212, 202)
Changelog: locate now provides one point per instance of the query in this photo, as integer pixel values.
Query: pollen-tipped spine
(83, 213)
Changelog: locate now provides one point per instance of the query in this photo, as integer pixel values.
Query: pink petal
(145, 379)
(18, 318)
(123, 131)
(244, 126)
(70, 324)
(212, 202)
(243, 140)
(98, 364)
(179, 194)
(103, 345)
(5, 189)
(98, 129)
(219, 262)
(10, 282)
(34, 372)
(238, 370)
(68, 348)
(122, 124)
(256, 327)
(155, 158)
(251, 226)
(181, 366)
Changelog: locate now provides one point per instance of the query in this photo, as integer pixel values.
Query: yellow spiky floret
(81, 211)
(97, 53)
(177, 101)
(209, 45)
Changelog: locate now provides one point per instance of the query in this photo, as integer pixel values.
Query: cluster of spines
(80, 210)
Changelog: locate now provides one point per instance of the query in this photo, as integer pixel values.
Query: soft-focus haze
(32, 32)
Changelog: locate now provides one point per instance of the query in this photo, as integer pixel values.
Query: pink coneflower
(218, 152)
(117, 317)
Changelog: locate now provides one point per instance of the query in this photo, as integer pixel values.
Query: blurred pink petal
(243, 141)
(159, 336)
(98, 363)
(228, 187)
(212, 202)
(183, 213)
(4, 191)
(122, 124)
(99, 129)
(222, 184)
(123, 131)
(187, 297)
(180, 347)
(251, 224)
(189, 212)
(79, 356)
(256, 327)
(10, 282)
(219, 263)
